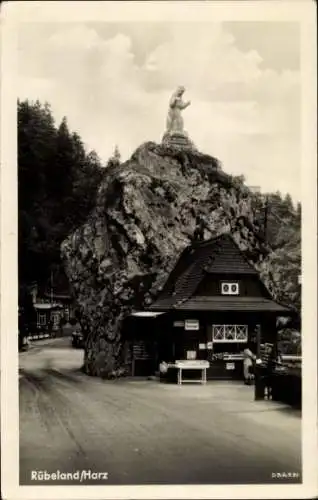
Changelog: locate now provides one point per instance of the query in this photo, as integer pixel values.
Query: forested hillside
(57, 182)
(283, 234)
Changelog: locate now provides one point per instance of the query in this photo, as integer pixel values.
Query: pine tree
(57, 182)
(115, 158)
(117, 155)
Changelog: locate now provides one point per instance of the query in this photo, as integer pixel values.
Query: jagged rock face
(281, 271)
(146, 213)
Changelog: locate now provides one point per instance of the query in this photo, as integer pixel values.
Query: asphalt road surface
(143, 432)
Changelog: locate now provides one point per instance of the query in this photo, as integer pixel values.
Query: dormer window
(230, 288)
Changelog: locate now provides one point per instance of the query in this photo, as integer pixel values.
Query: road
(142, 432)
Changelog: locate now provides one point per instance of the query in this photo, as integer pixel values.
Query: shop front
(212, 307)
(208, 336)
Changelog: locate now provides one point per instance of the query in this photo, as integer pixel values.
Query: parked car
(78, 339)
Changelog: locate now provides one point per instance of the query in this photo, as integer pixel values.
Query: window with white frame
(229, 333)
(230, 288)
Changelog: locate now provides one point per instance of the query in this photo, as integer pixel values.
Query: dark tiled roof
(228, 258)
(217, 255)
(221, 304)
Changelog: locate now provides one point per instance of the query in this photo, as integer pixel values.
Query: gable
(248, 285)
(218, 255)
(207, 261)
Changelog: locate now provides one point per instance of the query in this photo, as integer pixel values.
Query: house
(212, 304)
(64, 301)
(48, 315)
(52, 302)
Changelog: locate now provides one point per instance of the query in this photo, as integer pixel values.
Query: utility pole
(258, 383)
(51, 287)
(266, 210)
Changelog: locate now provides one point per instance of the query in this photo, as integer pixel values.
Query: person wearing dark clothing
(269, 371)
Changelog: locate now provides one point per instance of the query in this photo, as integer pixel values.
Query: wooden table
(190, 365)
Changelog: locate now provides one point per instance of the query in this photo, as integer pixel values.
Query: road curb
(41, 336)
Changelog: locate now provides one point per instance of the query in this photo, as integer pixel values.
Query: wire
(278, 218)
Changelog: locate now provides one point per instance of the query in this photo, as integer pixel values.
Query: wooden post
(258, 341)
(258, 385)
(132, 360)
(266, 208)
(179, 376)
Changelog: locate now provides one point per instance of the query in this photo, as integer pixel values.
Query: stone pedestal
(178, 140)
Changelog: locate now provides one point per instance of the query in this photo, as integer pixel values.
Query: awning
(47, 306)
(146, 314)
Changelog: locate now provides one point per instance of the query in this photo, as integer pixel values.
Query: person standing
(273, 359)
(248, 363)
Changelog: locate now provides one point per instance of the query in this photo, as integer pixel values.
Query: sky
(113, 82)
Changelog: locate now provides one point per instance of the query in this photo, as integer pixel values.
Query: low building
(48, 315)
(212, 305)
(65, 301)
(52, 304)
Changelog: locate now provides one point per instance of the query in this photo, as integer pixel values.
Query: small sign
(191, 324)
(210, 345)
(230, 366)
(178, 324)
(202, 346)
(191, 354)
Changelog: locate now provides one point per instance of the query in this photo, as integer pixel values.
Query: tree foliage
(283, 234)
(278, 221)
(57, 183)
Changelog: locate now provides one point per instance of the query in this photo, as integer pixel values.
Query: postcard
(158, 250)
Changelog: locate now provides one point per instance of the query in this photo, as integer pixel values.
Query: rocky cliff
(147, 211)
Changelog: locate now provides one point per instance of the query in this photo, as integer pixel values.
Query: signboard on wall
(178, 324)
(191, 354)
(191, 324)
(230, 366)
